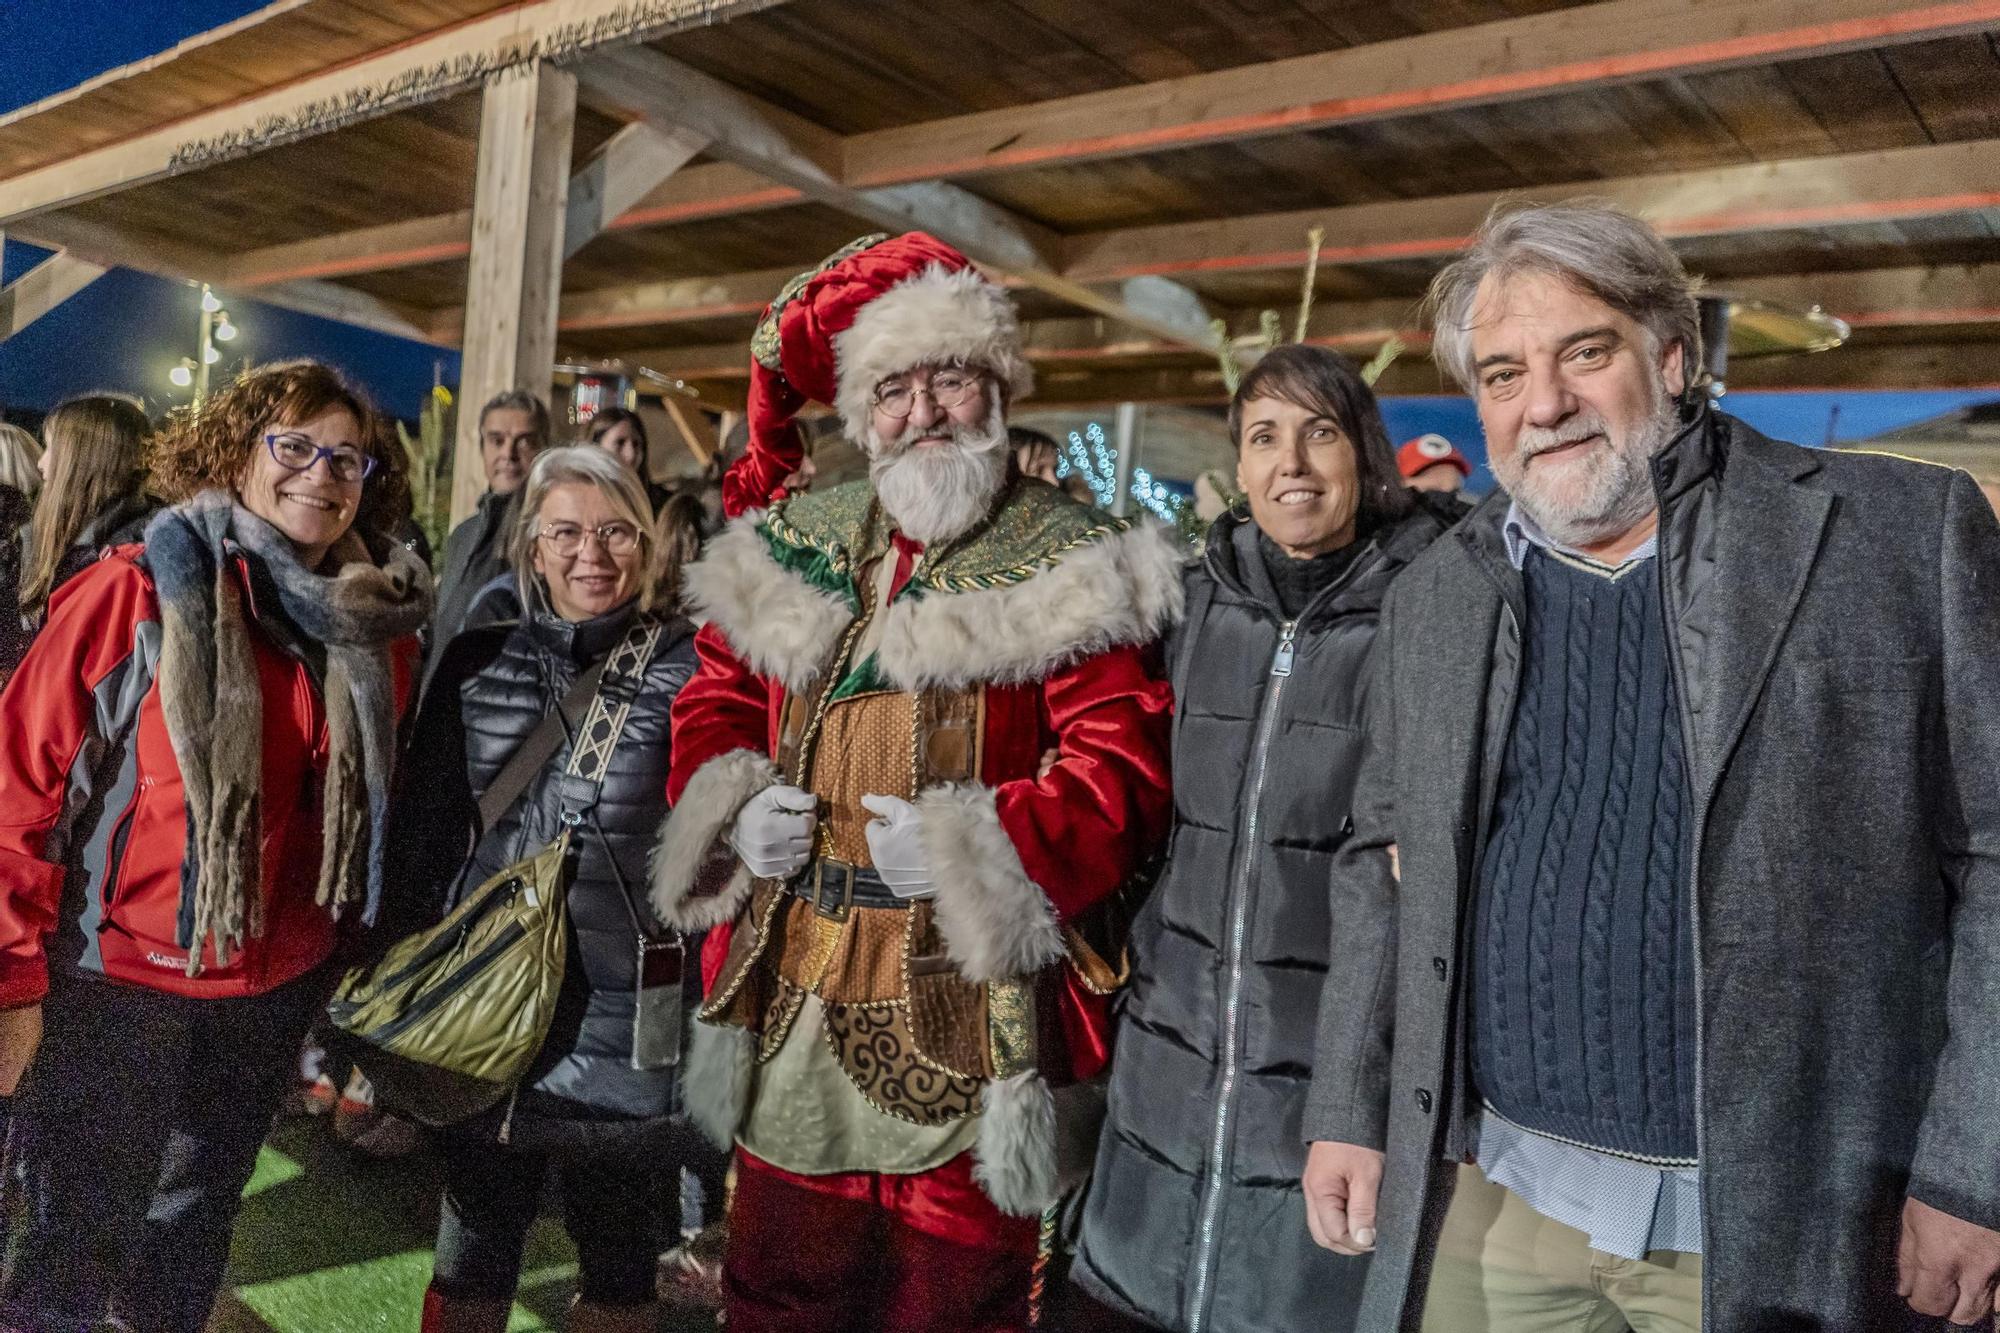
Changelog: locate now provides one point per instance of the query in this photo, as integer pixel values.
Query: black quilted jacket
(493, 685)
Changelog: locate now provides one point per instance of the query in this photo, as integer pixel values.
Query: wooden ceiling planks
(1951, 84)
(859, 68)
(383, 170)
(291, 40)
(801, 235)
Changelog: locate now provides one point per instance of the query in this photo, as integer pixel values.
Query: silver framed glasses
(298, 453)
(950, 388)
(566, 539)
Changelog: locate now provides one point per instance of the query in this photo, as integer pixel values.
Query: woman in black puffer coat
(591, 560)
(1193, 1219)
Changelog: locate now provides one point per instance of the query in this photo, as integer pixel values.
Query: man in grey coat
(1669, 930)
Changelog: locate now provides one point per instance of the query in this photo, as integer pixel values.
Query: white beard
(939, 491)
(1583, 507)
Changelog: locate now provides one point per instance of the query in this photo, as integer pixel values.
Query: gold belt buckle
(838, 911)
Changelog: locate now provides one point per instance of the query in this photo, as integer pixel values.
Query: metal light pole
(205, 343)
(213, 328)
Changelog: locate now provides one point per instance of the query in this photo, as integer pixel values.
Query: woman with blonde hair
(94, 496)
(194, 787)
(20, 460)
(601, 1102)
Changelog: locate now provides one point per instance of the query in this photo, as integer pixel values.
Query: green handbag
(450, 1019)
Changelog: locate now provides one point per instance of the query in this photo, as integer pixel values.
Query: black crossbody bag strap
(512, 781)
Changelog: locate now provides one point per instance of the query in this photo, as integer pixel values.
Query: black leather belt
(833, 886)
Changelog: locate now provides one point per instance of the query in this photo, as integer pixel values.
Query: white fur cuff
(698, 881)
(1014, 1157)
(995, 921)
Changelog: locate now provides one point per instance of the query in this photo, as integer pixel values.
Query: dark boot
(463, 1314)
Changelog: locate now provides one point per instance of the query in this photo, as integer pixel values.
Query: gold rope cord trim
(714, 1008)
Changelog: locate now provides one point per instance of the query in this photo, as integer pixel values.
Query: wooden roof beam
(637, 83)
(619, 174)
(1949, 295)
(110, 246)
(1618, 41)
(1893, 185)
(712, 189)
(43, 288)
(445, 62)
(1564, 51)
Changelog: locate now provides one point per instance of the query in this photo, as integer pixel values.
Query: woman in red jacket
(192, 795)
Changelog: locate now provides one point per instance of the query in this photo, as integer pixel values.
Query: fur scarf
(213, 705)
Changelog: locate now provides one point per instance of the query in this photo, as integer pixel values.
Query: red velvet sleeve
(775, 450)
(1104, 806)
(723, 707)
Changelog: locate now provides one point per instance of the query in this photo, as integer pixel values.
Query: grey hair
(520, 400)
(587, 465)
(1602, 250)
(19, 453)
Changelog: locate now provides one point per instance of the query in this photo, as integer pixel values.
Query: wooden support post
(526, 123)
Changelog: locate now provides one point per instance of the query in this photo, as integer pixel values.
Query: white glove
(896, 845)
(773, 832)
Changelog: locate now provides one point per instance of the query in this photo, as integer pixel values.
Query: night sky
(127, 330)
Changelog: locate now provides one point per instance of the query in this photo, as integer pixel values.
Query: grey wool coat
(1836, 624)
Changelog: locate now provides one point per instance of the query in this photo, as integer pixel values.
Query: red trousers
(863, 1253)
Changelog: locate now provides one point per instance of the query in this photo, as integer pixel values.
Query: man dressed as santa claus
(924, 751)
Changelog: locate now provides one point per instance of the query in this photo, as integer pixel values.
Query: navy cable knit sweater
(1583, 1020)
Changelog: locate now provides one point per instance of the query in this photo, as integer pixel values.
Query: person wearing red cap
(924, 750)
(1429, 463)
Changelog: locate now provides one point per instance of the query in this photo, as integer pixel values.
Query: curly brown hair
(208, 446)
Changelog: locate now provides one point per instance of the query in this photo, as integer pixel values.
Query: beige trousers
(1502, 1267)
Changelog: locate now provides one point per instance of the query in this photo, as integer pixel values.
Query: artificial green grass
(330, 1241)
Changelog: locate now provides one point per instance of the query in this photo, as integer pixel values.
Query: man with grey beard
(1669, 924)
(925, 748)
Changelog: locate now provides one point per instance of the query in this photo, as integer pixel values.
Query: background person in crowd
(622, 433)
(94, 495)
(1191, 1219)
(192, 795)
(1034, 454)
(20, 479)
(513, 428)
(911, 867)
(1430, 463)
(20, 460)
(1673, 901)
(590, 563)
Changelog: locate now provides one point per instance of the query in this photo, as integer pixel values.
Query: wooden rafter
(1568, 50)
(637, 83)
(111, 246)
(1485, 64)
(1913, 297)
(1893, 185)
(449, 61)
(43, 288)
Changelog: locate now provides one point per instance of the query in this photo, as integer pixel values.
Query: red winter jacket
(92, 819)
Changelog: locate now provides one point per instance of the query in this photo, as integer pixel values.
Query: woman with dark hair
(596, 574)
(193, 796)
(621, 432)
(94, 497)
(1193, 1218)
